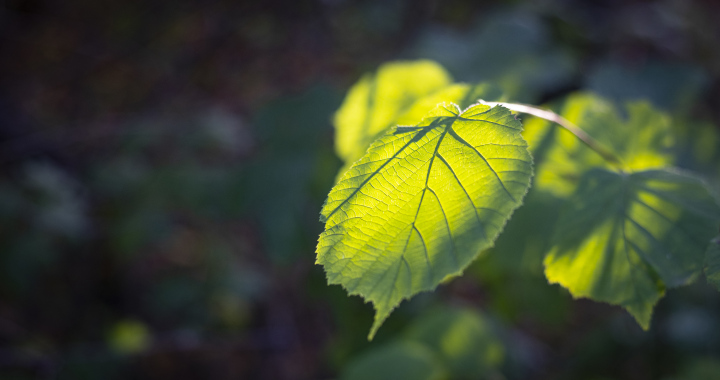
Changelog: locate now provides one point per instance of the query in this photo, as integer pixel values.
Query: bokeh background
(163, 164)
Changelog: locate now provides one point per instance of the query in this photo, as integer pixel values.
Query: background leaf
(623, 238)
(396, 361)
(399, 93)
(373, 103)
(463, 338)
(639, 135)
(422, 203)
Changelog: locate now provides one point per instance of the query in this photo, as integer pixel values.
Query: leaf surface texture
(422, 203)
(379, 98)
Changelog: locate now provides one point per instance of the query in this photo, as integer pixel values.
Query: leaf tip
(642, 316)
(380, 317)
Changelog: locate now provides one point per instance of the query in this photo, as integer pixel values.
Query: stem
(588, 140)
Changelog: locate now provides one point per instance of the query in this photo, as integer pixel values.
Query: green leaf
(422, 203)
(396, 361)
(712, 263)
(399, 93)
(463, 338)
(624, 237)
(378, 99)
(642, 140)
(462, 94)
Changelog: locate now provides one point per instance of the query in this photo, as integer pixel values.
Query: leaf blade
(422, 203)
(638, 134)
(377, 99)
(626, 237)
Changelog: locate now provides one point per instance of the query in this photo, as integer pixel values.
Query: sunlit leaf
(422, 203)
(624, 237)
(463, 338)
(396, 361)
(378, 99)
(641, 140)
(461, 94)
(712, 263)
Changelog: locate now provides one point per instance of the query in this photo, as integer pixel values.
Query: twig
(565, 123)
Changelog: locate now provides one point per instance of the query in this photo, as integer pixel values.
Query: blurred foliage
(465, 341)
(162, 165)
(401, 360)
(512, 49)
(712, 262)
(445, 343)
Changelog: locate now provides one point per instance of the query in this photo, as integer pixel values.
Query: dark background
(163, 164)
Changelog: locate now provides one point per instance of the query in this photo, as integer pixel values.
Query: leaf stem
(588, 140)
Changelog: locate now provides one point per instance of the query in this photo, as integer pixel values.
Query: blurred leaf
(463, 339)
(129, 337)
(422, 204)
(526, 237)
(712, 263)
(396, 361)
(641, 140)
(625, 237)
(378, 99)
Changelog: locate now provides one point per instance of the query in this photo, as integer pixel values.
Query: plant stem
(588, 140)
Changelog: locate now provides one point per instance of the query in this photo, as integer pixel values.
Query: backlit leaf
(376, 101)
(625, 237)
(422, 203)
(641, 140)
(461, 94)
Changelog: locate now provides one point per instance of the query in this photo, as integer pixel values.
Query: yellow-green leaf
(422, 203)
(460, 93)
(378, 99)
(641, 139)
(624, 238)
